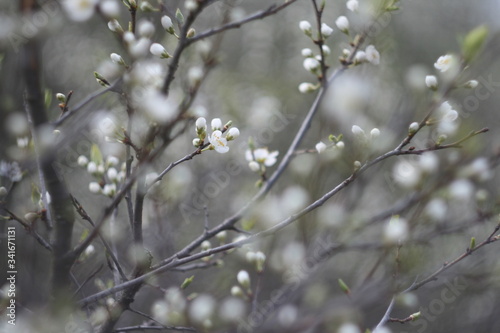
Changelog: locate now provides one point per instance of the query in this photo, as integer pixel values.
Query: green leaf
(344, 287)
(473, 42)
(35, 194)
(179, 16)
(472, 243)
(84, 235)
(48, 98)
(248, 224)
(187, 282)
(95, 154)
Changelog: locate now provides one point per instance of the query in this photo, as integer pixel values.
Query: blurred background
(255, 84)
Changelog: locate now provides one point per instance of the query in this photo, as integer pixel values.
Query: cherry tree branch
(273, 9)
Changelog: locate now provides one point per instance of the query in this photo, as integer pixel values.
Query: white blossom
(348, 328)
(115, 26)
(80, 10)
(91, 167)
(326, 30)
(112, 160)
(233, 133)
(374, 133)
(145, 29)
(232, 309)
(254, 166)
(461, 189)
(352, 5)
(306, 87)
(157, 106)
(436, 209)
(82, 160)
(139, 48)
(117, 59)
(326, 49)
(311, 64)
(358, 131)
(372, 55)
(112, 174)
(320, 147)
(110, 8)
(262, 155)
(342, 23)
(195, 74)
(243, 279)
(428, 162)
(360, 56)
(89, 250)
(201, 124)
(158, 50)
(413, 127)
(191, 5)
(406, 174)
(166, 23)
(471, 84)
(94, 187)
(307, 52)
(305, 26)
(396, 230)
(216, 124)
(431, 81)
(109, 190)
(202, 308)
(237, 291)
(444, 63)
(218, 142)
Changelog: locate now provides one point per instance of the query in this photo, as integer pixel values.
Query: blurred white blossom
(352, 5)
(80, 10)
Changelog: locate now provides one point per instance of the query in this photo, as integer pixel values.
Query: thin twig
(273, 9)
(84, 102)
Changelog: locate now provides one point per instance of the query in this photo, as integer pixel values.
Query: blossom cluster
(313, 62)
(106, 174)
(260, 158)
(218, 141)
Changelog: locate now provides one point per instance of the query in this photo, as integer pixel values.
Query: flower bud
(145, 29)
(254, 166)
(307, 52)
(232, 134)
(305, 26)
(146, 7)
(260, 259)
(236, 291)
(167, 24)
(117, 59)
(115, 26)
(82, 161)
(431, 82)
(326, 30)
(197, 142)
(243, 279)
(31, 217)
(343, 24)
(375, 133)
(61, 97)
(471, 84)
(413, 127)
(306, 87)
(159, 51)
(216, 124)
(94, 187)
(320, 147)
(191, 32)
